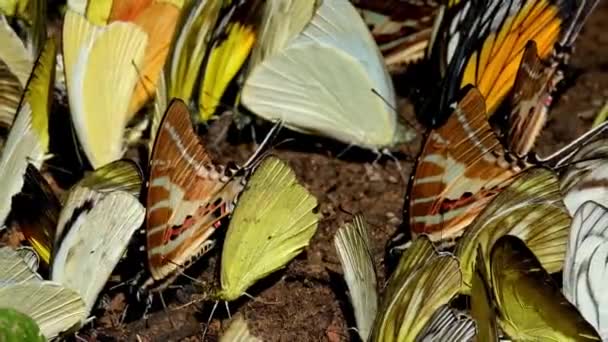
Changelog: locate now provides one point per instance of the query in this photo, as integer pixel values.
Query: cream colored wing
(353, 246)
(53, 307)
(101, 67)
(101, 226)
(238, 331)
(13, 269)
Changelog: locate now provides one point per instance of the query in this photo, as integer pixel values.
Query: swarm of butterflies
(501, 243)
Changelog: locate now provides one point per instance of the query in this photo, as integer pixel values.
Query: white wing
(447, 325)
(13, 269)
(592, 187)
(238, 331)
(585, 274)
(101, 228)
(323, 81)
(352, 243)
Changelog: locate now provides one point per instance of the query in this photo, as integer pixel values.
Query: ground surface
(307, 301)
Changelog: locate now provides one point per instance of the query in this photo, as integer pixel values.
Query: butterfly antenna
(258, 300)
(407, 121)
(344, 151)
(388, 153)
(123, 315)
(261, 150)
(227, 309)
(140, 79)
(210, 318)
(162, 300)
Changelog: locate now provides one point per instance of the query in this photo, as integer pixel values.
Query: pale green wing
(16, 327)
(54, 307)
(448, 325)
(530, 208)
(531, 306)
(28, 138)
(334, 98)
(585, 280)
(120, 175)
(190, 47)
(238, 331)
(94, 230)
(272, 223)
(415, 294)
(353, 246)
(13, 269)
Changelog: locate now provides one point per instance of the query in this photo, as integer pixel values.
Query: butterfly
(210, 48)
(529, 305)
(273, 222)
(54, 308)
(353, 247)
(28, 139)
(238, 331)
(159, 20)
(94, 229)
(101, 66)
(530, 208)
(36, 208)
(584, 265)
(402, 29)
(463, 165)
(481, 42)
(187, 197)
(422, 272)
(349, 97)
(232, 44)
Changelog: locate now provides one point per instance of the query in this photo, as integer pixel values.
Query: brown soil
(307, 301)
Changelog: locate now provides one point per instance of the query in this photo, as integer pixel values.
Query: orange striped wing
(187, 195)
(460, 169)
(481, 43)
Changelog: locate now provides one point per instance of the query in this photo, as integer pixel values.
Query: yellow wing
(227, 56)
(101, 67)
